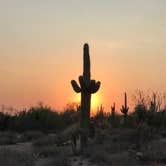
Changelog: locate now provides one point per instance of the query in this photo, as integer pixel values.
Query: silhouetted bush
(100, 114)
(69, 116)
(4, 120)
(140, 111)
(36, 118)
(44, 119)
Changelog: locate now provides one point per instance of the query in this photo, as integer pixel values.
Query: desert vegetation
(41, 136)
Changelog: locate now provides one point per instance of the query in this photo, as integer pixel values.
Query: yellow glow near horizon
(95, 100)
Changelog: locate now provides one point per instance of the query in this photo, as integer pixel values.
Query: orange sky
(41, 49)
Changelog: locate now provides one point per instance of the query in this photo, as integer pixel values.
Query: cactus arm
(91, 86)
(94, 86)
(75, 86)
(124, 109)
(97, 86)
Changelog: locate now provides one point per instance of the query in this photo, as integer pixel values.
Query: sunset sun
(95, 101)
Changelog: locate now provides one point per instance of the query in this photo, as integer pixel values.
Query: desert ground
(116, 147)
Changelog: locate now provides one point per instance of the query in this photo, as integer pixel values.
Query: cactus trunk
(85, 118)
(125, 100)
(85, 95)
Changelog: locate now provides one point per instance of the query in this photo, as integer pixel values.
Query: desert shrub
(10, 157)
(69, 116)
(40, 117)
(99, 137)
(140, 111)
(143, 135)
(103, 120)
(100, 114)
(129, 122)
(37, 118)
(48, 148)
(155, 119)
(4, 120)
(71, 130)
(114, 120)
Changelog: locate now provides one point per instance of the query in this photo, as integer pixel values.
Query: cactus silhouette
(153, 104)
(113, 112)
(86, 88)
(124, 108)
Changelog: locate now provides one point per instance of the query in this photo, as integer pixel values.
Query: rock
(131, 151)
(139, 155)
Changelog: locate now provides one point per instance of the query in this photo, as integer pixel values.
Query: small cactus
(86, 88)
(153, 105)
(124, 108)
(113, 112)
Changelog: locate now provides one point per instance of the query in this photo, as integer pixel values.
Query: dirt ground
(116, 149)
(28, 148)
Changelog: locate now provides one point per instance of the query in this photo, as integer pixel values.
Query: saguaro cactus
(86, 88)
(124, 108)
(113, 112)
(153, 104)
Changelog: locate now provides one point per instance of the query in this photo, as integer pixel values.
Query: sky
(41, 49)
